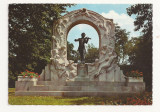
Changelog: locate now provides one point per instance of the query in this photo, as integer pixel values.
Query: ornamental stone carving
(103, 69)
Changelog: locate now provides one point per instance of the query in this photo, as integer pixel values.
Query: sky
(117, 12)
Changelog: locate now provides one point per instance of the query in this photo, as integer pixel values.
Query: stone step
(51, 83)
(80, 83)
(79, 88)
(94, 83)
(72, 93)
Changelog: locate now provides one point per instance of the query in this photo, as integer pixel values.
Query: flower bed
(134, 74)
(28, 76)
(139, 100)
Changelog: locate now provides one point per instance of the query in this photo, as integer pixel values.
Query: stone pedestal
(82, 72)
(24, 83)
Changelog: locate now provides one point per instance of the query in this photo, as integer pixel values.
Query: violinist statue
(81, 48)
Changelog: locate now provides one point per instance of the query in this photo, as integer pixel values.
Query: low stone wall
(24, 83)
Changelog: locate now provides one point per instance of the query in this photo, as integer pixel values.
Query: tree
(143, 18)
(132, 46)
(92, 53)
(121, 43)
(143, 53)
(72, 54)
(30, 31)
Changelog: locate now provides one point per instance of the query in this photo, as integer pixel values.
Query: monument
(81, 47)
(82, 68)
(65, 78)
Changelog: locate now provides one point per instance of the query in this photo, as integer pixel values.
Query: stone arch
(103, 26)
(84, 22)
(103, 69)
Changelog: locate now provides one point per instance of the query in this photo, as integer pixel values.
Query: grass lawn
(141, 99)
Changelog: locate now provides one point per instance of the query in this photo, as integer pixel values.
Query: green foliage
(92, 54)
(141, 53)
(72, 54)
(143, 20)
(30, 31)
(140, 99)
(121, 44)
(132, 46)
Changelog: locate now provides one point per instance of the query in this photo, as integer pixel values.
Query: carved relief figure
(105, 66)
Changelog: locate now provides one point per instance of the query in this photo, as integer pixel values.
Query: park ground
(139, 99)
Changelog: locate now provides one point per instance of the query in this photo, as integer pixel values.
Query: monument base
(82, 72)
(80, 88)
(81, 79)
